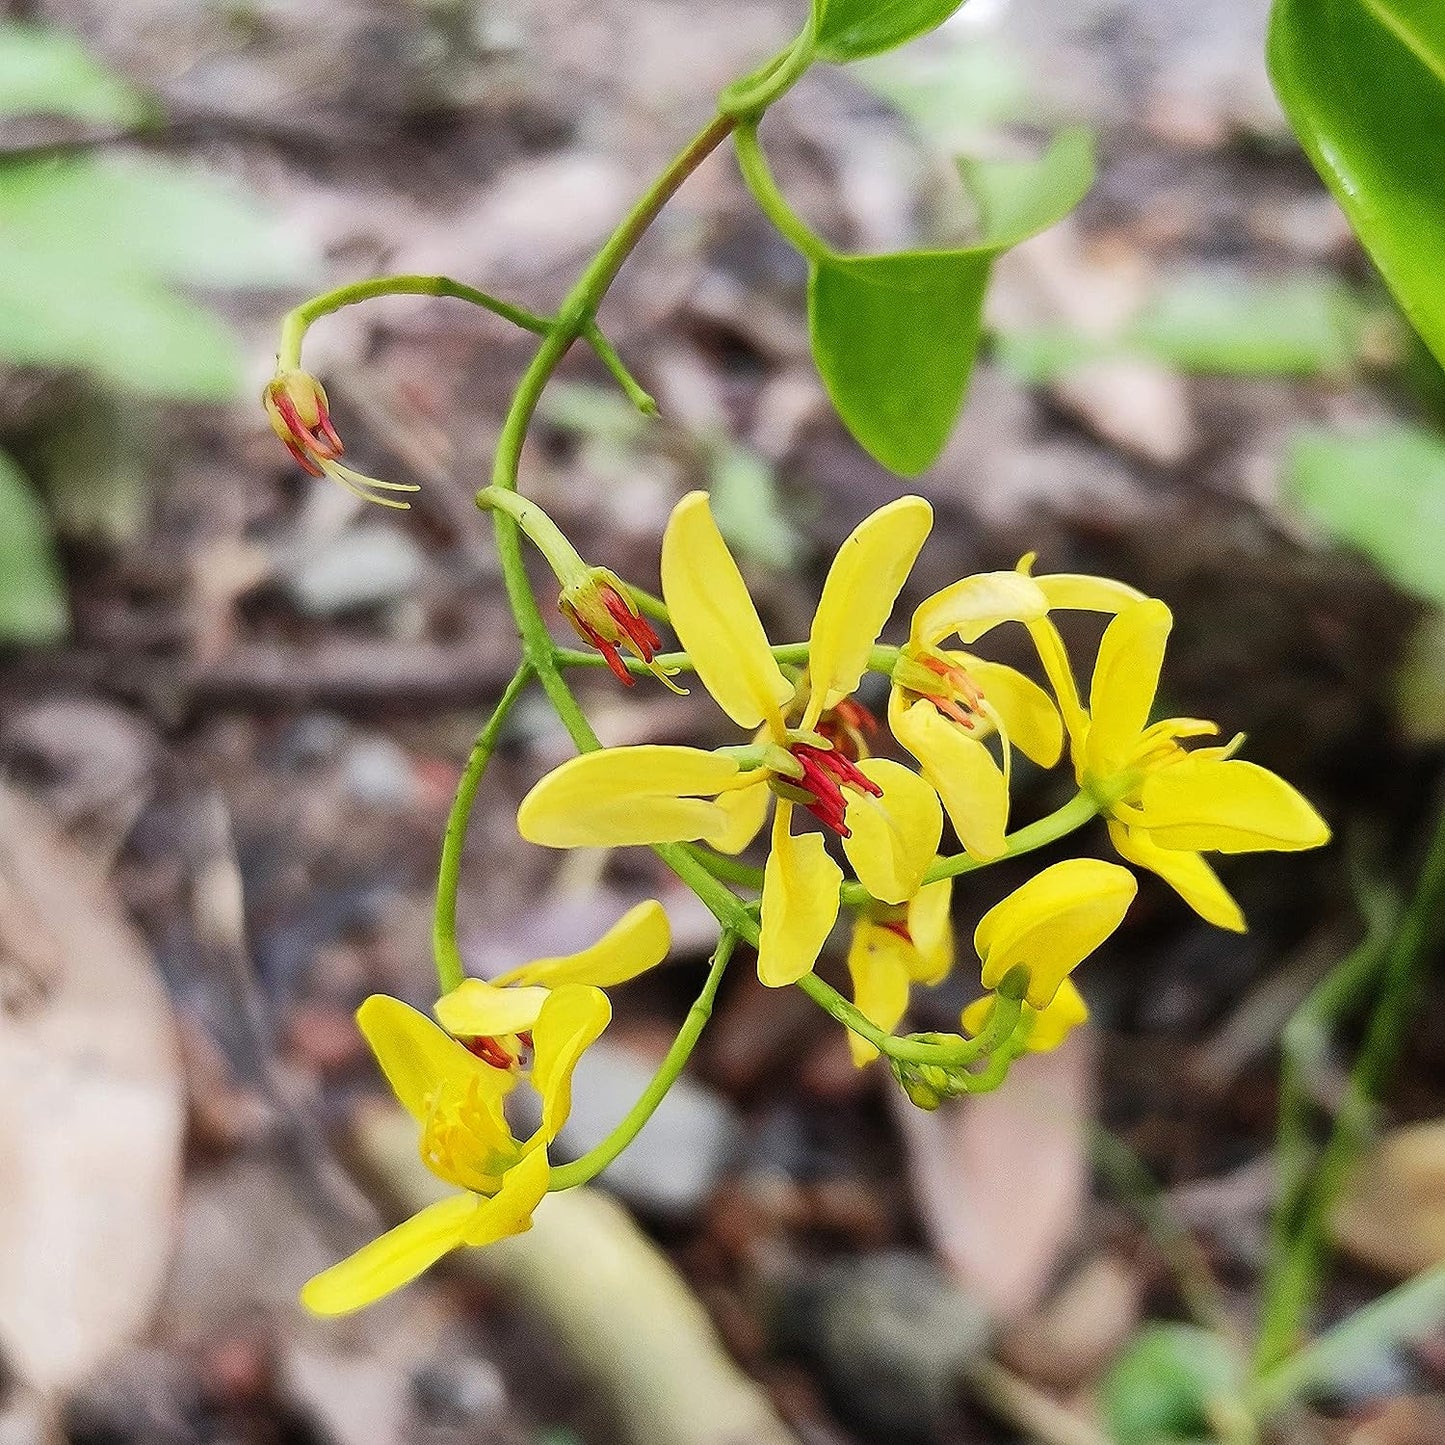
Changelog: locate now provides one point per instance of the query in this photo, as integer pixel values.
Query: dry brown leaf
(91, 1111)
(1001, 1179)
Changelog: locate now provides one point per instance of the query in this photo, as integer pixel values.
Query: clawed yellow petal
(1052, 923)
(744, 811)
(509, 1210)
(1048, 1027)
(1060, 673)
(715, 620)
(393, 1260)
(1186, 873)
(416, 1056)
(1028, 713)
(930, 926)
(1227, 807)
(961, 770)
(639, 940)
(862, 585)
(571, 1019)
(477, 1009)
(895, 837)
(622, 796)
(800, 902)
(977, 604)
(1076, 592)
(1126, 677)
(878, 966)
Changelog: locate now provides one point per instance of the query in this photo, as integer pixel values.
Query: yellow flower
(945, 702)
(453, 1081)
(300, 415)
(889, 818)
(890, 954)
(1047, 1027)
(1166, 805)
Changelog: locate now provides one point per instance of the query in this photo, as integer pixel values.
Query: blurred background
(234, 704)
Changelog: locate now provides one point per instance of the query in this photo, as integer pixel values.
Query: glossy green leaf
(1363, 85)
(1381, 491)
(32, 597)
(1166, 1386)
(46, 71)
(894, 337)
(850, 29)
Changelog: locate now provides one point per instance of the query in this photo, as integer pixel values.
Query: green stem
(447, 955)
(1412, 1311)
(594, 1161)
(727, 868)
(753, 94)
(608, 356)
(543, 533)
(294, 328)
(1058, 824)
(1310, 1189)
(754, 166)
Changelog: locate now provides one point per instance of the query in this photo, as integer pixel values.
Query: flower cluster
(807, 755)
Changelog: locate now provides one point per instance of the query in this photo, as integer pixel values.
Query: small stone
(367, 565)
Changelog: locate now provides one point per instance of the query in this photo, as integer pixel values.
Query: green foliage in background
(32, 596)
(1363, 84)
(1382, 491)
(48, 72)
(1170, 1385)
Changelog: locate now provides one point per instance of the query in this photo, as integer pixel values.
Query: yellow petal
(976, 604)
(509, 1210)
(977, 1015)
(1186, 873)
(639, 940)
(930, 926)
(961, 769)
(744, 811)
(621, 796)
(895, 837)
(1060, 673)
(1075, 592)
(571, 1019)
(1052, 923)
(1126, 677)
(1227, 807)
(393, 1260)
(477, 1009)
(800, 902)
(715, 619)
(416, 1056)
(863, 584)
(879, 972)
(1028, 713)
(1052, 1025)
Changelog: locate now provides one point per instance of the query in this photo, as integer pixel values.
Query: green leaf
(32, 597)
(894, 337)
(1168, 1385)
(90, 250)
(1380, 491)
(1363, 85)
(45, 71)
(850, 29)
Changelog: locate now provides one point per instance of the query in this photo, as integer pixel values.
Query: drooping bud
(601, 609)
(300, 415)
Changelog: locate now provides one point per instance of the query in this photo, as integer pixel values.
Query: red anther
(306, 462)
(637, 628)
(489, 1051)
(847, 724)
(826, 772)
(900, 928)
(853, 714)
(608, 650)
(323, 425)
(328, 449)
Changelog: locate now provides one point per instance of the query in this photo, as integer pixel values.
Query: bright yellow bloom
(944, 702)
(453, 1082)
(1047, 1027)
(1165, 805)
(888, 955)
(889, 819)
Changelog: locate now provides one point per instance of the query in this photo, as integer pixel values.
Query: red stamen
(826, 772)
(306, 462)
(900, 928)
(633, 624)
(489, 1051)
